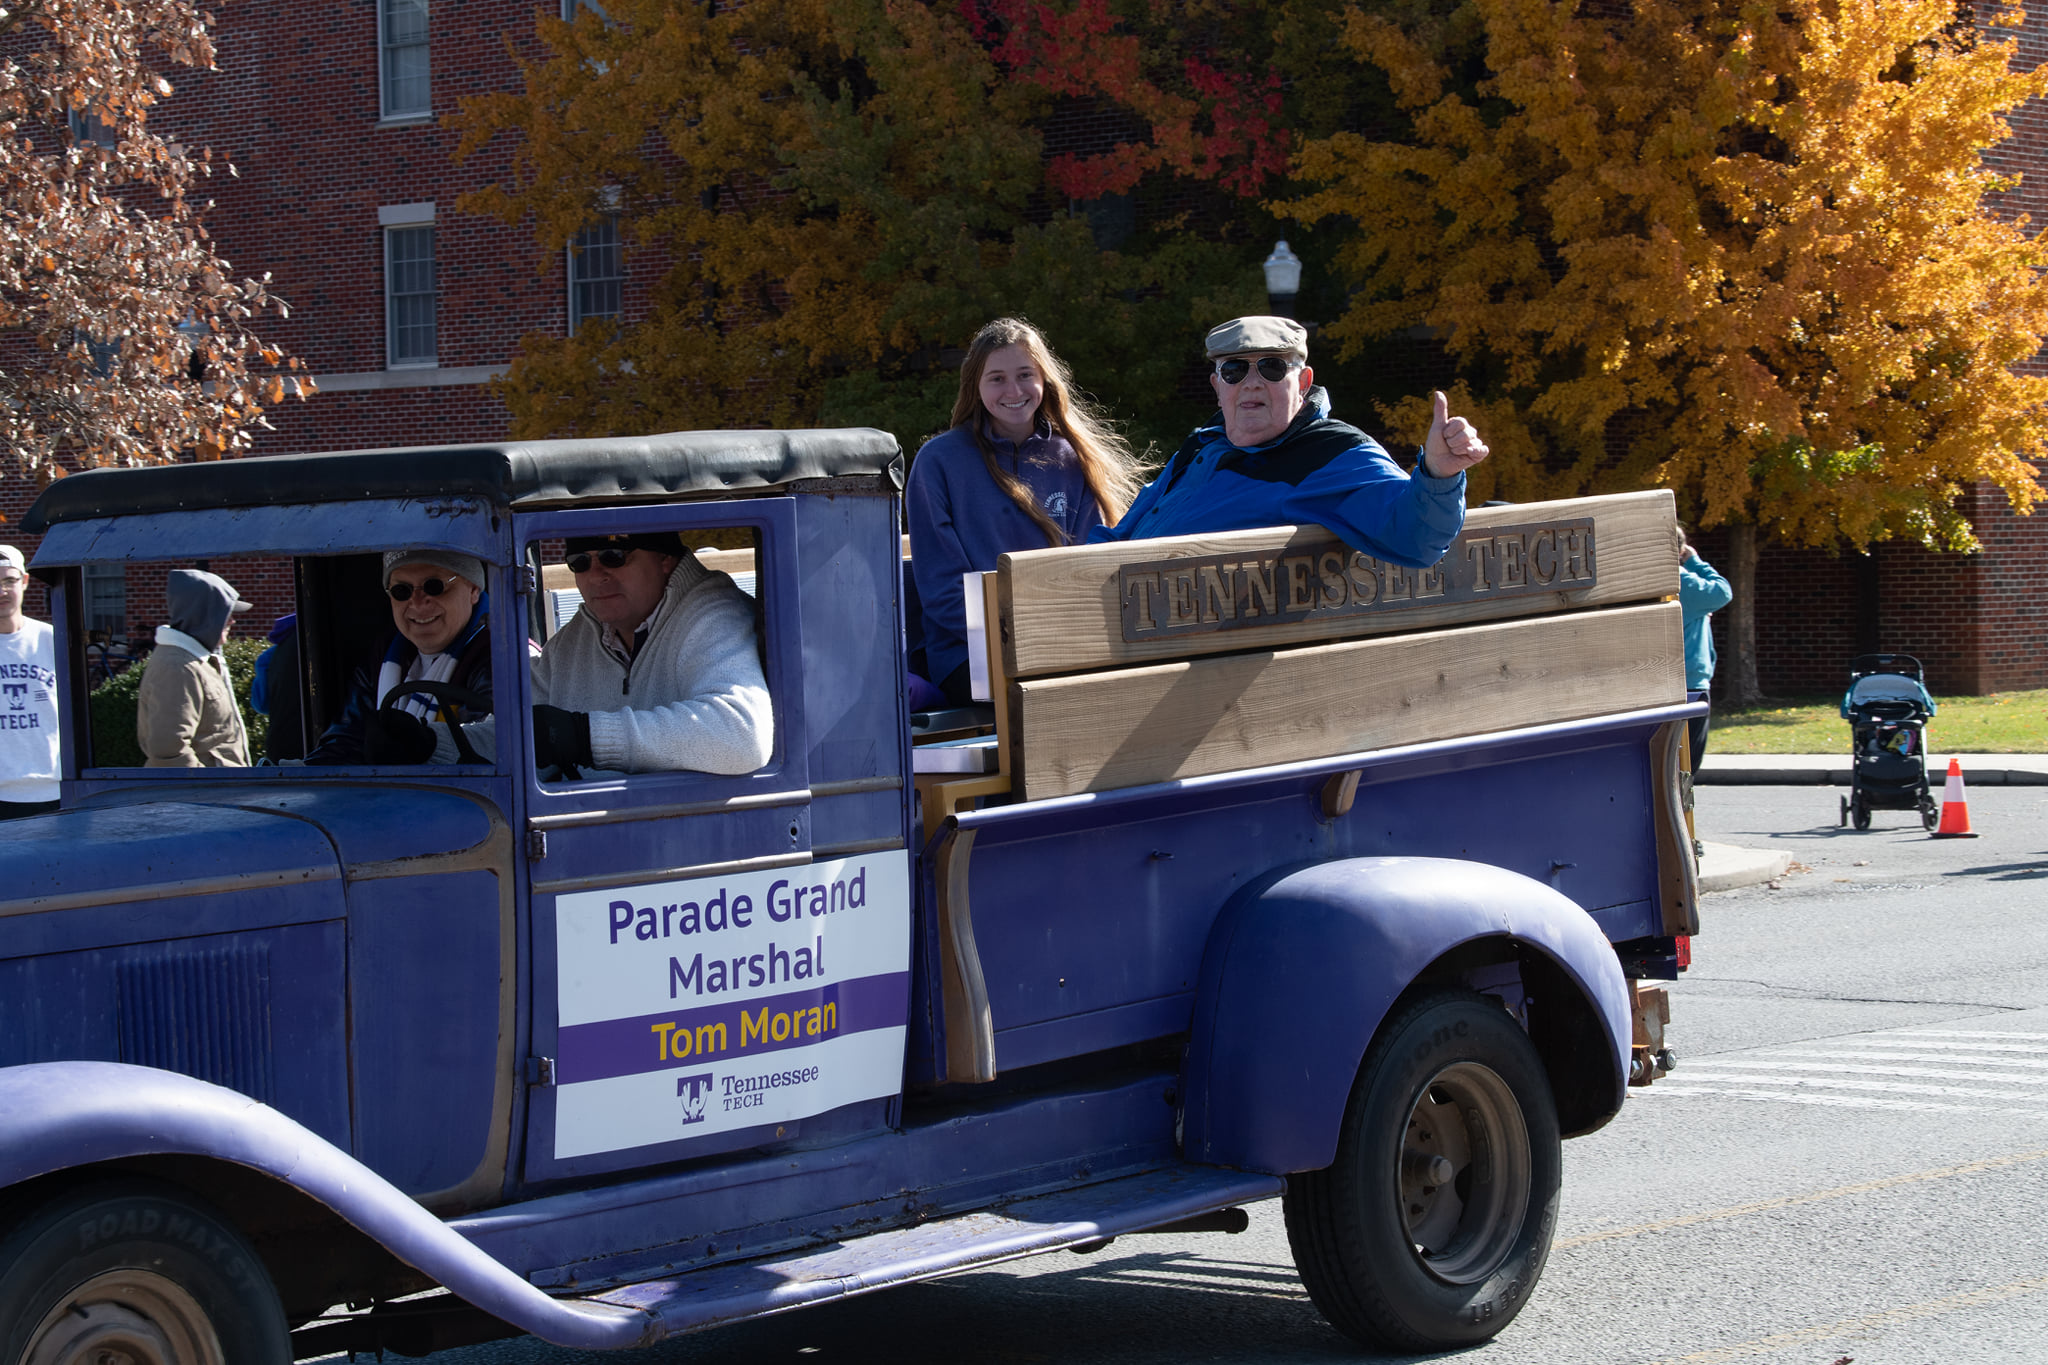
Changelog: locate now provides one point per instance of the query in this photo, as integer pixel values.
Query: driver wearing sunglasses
(441, 622)
(659, 671)
(1274, 456)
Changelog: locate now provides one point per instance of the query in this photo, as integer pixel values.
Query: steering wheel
(443, 692)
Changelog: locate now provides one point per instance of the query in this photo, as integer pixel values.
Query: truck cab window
(652, 660)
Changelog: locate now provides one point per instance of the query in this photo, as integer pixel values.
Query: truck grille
(204, 1014)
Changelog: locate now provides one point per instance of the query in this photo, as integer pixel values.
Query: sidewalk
(1723, 867)
(1832, 770)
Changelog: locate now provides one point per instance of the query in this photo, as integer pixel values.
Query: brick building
(405, 308)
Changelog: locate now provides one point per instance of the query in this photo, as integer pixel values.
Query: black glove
(393, 736)
(561, 739)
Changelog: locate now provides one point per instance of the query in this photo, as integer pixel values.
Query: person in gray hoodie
(185, 713)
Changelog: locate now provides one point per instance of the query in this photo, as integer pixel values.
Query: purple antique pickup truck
(605, 1057)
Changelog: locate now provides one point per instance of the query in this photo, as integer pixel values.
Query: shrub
(113, 708)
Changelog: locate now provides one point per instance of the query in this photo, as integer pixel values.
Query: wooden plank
(557, 578)
(1096, 731)
(1063, 611)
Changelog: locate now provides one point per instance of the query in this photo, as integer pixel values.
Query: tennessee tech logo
(692, 1091)
(17, 695)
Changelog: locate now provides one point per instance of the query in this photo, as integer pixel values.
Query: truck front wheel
(1433, 1224)
(138, 1273)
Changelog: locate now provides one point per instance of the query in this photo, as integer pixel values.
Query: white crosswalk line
(1928, 1070)
(1850, 1069)
(1932, 1045)
(2017, 1064)
(1827, 1101)
(1892, 1087)
(1964, 1033)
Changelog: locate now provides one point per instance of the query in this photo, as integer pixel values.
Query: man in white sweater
(659, 671)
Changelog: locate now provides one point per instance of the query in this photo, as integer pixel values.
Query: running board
(1072, 1218)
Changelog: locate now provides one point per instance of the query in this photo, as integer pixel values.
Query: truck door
(699, 983)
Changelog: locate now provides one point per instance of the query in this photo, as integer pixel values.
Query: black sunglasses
(1272, 368)
(611, 556)
(432, 587)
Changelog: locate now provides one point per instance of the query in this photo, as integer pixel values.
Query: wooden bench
(1146, 661)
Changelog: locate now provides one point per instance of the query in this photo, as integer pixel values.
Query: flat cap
(1246, 336)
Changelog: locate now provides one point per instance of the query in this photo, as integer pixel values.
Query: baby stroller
(1887, 708)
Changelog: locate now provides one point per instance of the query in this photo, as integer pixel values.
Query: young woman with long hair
(1027, 463)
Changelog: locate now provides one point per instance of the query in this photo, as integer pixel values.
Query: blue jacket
(1701, 592)
(1320, 471)
(960, 522)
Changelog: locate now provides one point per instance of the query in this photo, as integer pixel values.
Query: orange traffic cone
(1955, 808)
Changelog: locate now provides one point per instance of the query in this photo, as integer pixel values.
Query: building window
(87, 126)
(571, 8)
(402, 52)
(409, 294)
(597, 273)
(106, 599)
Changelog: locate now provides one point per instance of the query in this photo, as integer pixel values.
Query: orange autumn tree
(128, 338)
(1749, 251)
(818, 198)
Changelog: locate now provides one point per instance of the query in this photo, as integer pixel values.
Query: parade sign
(1198, 594)
(697, 1007)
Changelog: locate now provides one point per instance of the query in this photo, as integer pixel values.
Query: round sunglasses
(1272, 368)
(611, 557)
(432, 587)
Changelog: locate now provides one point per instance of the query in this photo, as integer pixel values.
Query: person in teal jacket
(1701, 593)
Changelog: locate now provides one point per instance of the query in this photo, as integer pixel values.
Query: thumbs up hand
(1453, 443)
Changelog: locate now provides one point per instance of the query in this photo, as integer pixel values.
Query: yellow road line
(1991, 1163)
(1807, 1336)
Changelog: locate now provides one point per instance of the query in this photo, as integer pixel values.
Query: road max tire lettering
(1484, 1310)
(1450, 1033)
(181, 1228)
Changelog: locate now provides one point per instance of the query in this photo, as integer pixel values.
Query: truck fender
(1301, 967)
(57, 1116)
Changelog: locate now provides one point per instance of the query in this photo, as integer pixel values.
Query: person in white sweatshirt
(28, 689)
(659, 671)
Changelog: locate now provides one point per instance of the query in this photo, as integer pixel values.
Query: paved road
(1852, 1160)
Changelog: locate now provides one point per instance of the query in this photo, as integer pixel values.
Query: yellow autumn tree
(1746, 249)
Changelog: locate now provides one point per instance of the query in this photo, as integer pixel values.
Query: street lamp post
(1283, 279)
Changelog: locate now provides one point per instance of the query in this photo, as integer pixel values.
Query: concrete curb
(1724, 867)
(1832, 770)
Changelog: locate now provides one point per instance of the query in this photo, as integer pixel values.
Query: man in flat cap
(1273, 456)
(442, 635)
(660, 669)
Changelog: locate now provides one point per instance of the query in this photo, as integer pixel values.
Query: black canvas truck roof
(518, 474)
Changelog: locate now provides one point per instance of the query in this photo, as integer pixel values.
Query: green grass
(2001, 723)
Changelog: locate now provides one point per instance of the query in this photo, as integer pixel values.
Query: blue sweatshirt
(1320, 471)
(960, 522)
(1701, 592)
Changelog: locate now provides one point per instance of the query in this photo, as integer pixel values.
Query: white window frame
(105, 583)
(394, 219)
(385, 48)
(577, 317)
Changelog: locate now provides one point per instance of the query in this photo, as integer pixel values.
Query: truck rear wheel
(1433, 1224)
(136, 1273)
